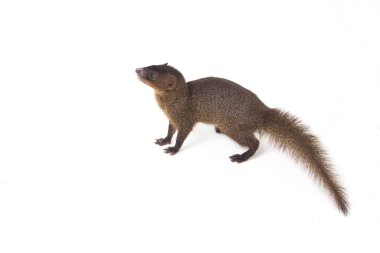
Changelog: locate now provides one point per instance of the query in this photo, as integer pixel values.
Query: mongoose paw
(238, 158)
(218, 130)
(162, 141)
(171, 150)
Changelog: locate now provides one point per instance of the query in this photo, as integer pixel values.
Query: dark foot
(162, 141)
(218, 130)
(238, 158)
(171, 150)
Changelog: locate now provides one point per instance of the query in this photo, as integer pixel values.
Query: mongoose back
(238, 113)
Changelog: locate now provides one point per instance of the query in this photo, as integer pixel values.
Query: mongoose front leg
(181, 136)
(168, 138)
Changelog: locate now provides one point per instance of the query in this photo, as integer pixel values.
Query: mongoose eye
(153, 75)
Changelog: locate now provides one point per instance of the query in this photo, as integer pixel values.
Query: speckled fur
(238, 113)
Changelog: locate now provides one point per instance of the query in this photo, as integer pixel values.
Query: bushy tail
(291, 136)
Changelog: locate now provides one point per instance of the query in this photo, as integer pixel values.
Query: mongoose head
(162, 78)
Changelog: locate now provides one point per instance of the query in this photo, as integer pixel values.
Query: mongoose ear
(172, 82)
(165, 64)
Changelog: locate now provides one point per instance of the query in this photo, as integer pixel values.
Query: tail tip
(344, 207)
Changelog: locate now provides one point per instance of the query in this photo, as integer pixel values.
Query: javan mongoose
(237, 113)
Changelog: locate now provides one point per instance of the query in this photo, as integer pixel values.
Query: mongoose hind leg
(247, 139)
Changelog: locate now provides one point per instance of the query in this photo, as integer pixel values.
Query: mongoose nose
(139, 70)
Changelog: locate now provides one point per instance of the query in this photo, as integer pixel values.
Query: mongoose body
(238, 113)
(225, 104)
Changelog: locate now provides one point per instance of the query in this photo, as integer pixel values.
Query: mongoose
(238, 113)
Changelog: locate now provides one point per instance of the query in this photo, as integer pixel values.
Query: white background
(78, 168)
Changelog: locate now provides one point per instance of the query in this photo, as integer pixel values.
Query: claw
(171, 150)
(162, 141)
(237, 158)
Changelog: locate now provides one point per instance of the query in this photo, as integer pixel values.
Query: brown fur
(238, 113)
